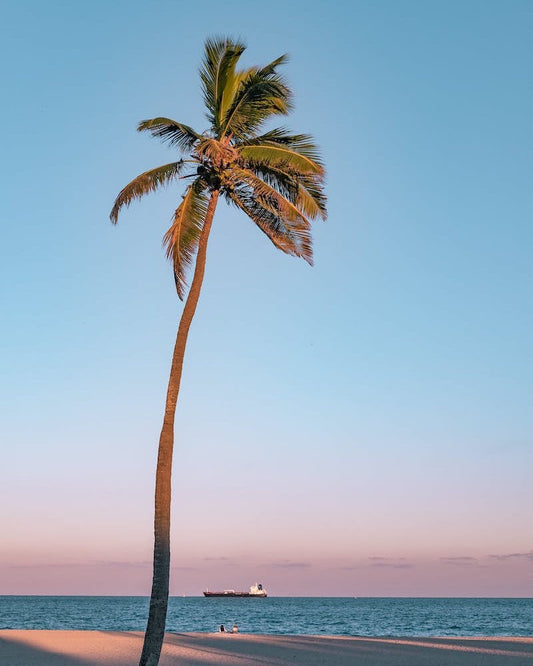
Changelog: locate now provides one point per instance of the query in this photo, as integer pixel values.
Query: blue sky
(376, 405)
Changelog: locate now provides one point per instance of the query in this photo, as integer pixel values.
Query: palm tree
(275, 177)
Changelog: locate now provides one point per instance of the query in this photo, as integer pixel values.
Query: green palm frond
(261, 94)
(293, 238)
(268, 196)
(281, 180)
(311, 198)
(230, 91)
(302, 144)
(305, 191)
(273, 154)
(270, 69)
(181, 239)
(274, 209)
(171, 132)
(219, 78)
(149, 181)
(265, 220)
(277, 135)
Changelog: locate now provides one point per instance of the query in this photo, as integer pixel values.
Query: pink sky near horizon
(409, 525)
(508, 575)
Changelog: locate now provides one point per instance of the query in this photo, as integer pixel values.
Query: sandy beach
(115, 648)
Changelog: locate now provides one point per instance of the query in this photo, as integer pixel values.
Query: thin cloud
(460, 560)
(513, 556)
(123, 565)
(79, 565)
(390, 562)
(49, 565)
(225, 561)
(290, 565)
(393, 565)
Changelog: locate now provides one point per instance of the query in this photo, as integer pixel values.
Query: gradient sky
(362, 427)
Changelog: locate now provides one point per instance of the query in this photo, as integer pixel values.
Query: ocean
(279, 615)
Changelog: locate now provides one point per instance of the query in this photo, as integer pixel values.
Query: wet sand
(115, 648)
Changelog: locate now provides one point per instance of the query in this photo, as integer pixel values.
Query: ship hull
(234, 594)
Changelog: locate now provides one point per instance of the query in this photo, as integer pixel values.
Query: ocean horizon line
(276, 596)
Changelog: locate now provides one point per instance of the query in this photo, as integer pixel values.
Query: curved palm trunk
(155, 629)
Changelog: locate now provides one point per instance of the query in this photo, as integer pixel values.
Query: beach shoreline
(122, 648)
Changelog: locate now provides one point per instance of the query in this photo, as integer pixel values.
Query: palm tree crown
(275, 177)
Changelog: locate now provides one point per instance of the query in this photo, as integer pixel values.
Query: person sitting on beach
(222, 628)
(235, 629)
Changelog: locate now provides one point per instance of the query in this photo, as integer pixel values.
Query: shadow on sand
(17, 653)
(96, 648)
(206, 649)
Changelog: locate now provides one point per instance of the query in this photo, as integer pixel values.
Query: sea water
(279, 615)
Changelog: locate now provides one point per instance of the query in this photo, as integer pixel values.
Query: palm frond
(181, 239)
(230, 83)
(219, 77)
(303, 144)
(276, 135)
(272, 154)
(311, 198)
(274, 213)
(269, 69)
(266, 221)
(149, 181)
(281, 180)
(261, 94)
(305, 191)
(171, 132)
(269, 196)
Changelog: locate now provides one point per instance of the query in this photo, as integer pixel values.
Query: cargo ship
(255, 591)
